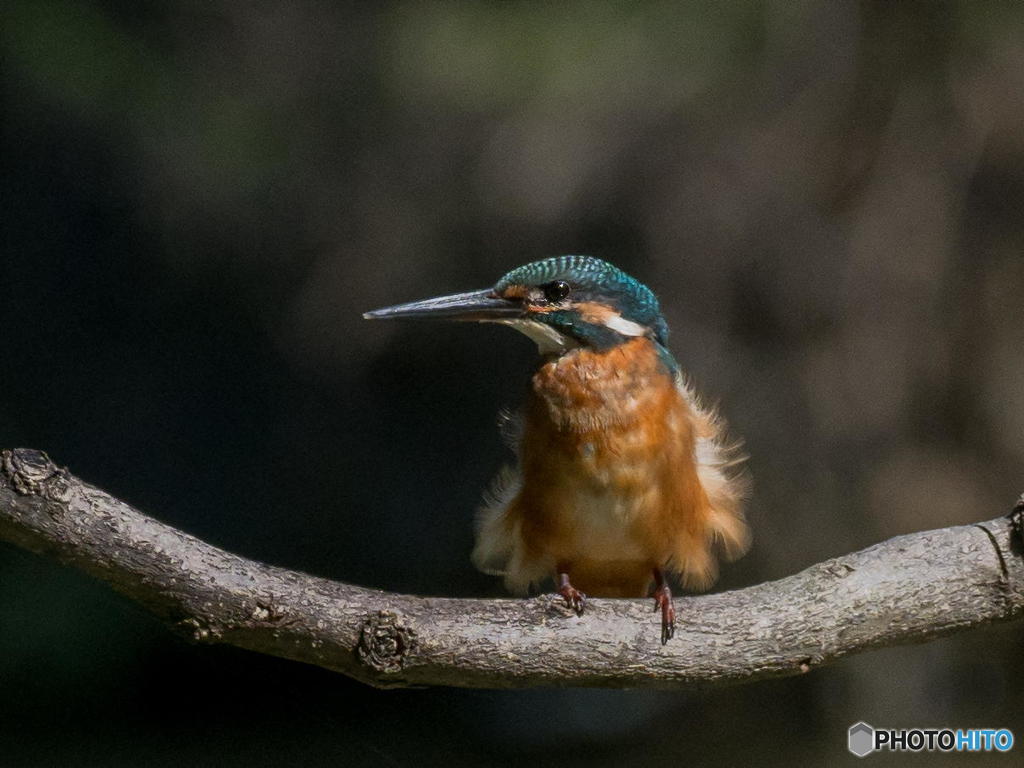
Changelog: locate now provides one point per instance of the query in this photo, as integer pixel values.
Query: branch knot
(32, 473)
(1017, 520)
(384, 643)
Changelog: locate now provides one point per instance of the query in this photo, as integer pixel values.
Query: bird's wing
(495, 539)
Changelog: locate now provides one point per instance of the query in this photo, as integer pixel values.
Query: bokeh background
(200, 198)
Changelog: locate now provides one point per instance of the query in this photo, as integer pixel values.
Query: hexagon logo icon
(861, 739)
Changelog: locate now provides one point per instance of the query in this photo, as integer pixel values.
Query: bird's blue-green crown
(599, 281)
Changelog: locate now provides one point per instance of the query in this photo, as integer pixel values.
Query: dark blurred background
(200, 199)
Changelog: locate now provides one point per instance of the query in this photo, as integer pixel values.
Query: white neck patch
(619, 324)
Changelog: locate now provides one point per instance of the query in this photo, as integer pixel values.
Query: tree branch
(909, 589)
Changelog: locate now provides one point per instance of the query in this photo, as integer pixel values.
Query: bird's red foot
(573, 597)
(663, 601)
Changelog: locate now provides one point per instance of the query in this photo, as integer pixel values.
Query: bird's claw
(663, 602)
(573, 598)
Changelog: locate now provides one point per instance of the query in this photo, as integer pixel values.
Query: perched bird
(623, 477)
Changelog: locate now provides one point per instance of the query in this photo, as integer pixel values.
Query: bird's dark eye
(556, 290)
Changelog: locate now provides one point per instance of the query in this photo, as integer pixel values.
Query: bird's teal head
(562, 303)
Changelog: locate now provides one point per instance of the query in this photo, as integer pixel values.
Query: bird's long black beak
(475, 305)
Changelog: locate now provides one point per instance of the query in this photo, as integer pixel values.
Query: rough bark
(909, 589)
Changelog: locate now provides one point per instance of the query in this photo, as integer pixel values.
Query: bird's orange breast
(610, 486)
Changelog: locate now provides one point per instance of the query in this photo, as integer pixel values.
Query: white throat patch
(549, 341)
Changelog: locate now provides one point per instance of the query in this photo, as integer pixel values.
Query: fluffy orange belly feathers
(620, 474)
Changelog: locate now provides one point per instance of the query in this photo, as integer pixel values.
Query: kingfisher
(623, 477)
